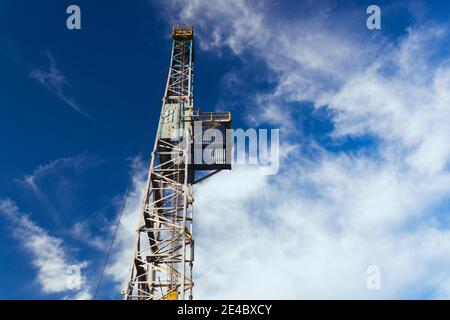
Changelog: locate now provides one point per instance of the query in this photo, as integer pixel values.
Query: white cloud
(312, 231)
(242, 21)
(48, 255)
(311, 55)
(407, 108)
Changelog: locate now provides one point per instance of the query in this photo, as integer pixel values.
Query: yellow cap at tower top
(182, 32)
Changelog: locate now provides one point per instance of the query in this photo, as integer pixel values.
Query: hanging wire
(112, 241)
(120, 217)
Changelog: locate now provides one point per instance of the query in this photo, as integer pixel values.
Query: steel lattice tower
(164, 249)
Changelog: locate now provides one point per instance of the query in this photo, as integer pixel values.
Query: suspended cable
(119, 219)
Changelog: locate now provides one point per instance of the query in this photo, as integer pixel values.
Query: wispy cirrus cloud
(77, 163)
(48, 254)
(56, 184)
(55, 82)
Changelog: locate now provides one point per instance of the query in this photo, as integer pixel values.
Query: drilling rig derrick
(164, 248)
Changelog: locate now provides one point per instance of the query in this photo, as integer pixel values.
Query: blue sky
(364, 176)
